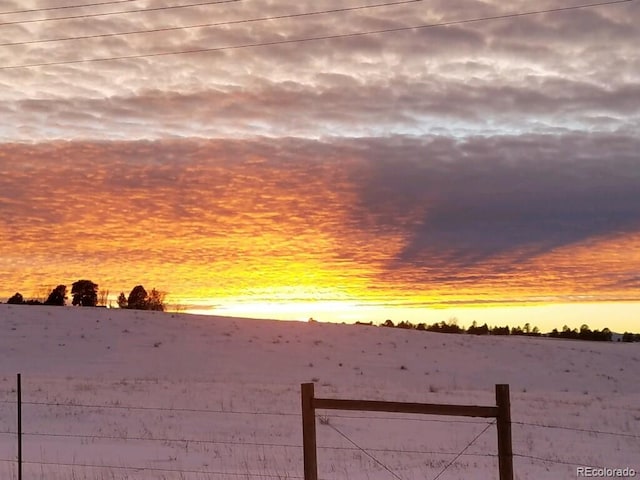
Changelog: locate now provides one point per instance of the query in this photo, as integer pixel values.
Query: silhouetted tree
(58, 296)
(630, 337)
(137, 298)
(444, 327)
(474, 329)
(33, 301)
(103, 296)
(155, 301)
(405, 324)
(500, 330)
(85, 293)
(17, 299)
(122, 301)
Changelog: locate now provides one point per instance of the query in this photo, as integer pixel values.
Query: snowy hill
(229, 389)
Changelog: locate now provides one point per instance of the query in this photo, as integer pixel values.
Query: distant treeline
(584, 333)
(85, 293)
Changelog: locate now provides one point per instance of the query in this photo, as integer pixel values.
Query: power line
(311, 39)
(216, 24)
(120, 12)
(47, 9)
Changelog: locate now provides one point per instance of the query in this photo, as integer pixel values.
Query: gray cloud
(573, 70)
(465, 203)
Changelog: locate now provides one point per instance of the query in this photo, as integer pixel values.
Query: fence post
(19, 391)
(505, 451)
(309, 432)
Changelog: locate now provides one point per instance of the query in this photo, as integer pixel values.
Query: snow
(177, 394)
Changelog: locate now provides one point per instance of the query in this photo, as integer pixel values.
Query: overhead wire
(66, 7)
(316, 38)
(119, 12)
(216, 24)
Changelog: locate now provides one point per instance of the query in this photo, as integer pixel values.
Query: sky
(470, 160)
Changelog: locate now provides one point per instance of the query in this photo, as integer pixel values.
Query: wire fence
(227, 442)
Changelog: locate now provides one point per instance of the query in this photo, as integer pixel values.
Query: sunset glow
(492, 174)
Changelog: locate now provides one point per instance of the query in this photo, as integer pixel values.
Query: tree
(122, 301)
(137, 298)
(85, 293)
(103, 297)
(155, 301)
(17, 299)
(58, 296)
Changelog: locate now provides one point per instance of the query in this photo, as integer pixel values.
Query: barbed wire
(165, 470)
(164, 440)
(358, 447)
(576, 429)
(463, 450)
(559, 462)
(160, 409)
(244, 412)
(225, 442)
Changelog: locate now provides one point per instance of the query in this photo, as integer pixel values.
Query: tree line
(85, 293)
(584, 333)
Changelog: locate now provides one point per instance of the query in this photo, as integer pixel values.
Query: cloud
(515, 196)
(575, 70)
(370, 214)
(457, 156)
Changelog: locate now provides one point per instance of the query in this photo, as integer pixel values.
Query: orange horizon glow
(238, 232)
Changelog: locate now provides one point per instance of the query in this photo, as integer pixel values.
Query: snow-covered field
(113, 394)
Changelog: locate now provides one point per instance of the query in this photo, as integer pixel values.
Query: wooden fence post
(19, 391)
(503, 420)
(309, 432)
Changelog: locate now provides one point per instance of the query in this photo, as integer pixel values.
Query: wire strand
(584, 430)
(66, 7)
(463, 450)
(160, 409)
(549, 460)
(166, 470)
(119, 12)
(365, 452)
(208, 25)
(312, 39)
(151, 439)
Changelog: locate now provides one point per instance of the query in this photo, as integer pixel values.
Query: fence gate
(501, 412)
